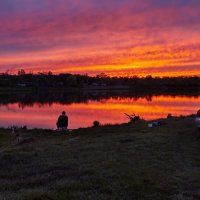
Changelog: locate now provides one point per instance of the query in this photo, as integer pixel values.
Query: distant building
(21, 85)
(95, 84)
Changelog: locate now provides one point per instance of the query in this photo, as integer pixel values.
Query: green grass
(129, 161)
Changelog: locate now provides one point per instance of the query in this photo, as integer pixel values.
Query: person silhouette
(197, 119)
(62, 122)
(198, 113)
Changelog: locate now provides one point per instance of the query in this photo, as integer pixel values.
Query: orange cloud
(115, 37)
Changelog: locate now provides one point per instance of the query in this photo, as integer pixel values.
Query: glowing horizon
(119, 38)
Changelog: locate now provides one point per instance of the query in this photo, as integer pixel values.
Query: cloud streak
(120, 34)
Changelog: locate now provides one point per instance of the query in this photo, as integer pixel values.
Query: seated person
(62, 122)
(198, 119)
(198, 113)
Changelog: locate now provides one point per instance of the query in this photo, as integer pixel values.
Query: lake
(108, 110)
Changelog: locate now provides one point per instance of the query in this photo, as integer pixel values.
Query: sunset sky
(117, 37)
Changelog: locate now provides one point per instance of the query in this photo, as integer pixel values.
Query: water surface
(105, 110)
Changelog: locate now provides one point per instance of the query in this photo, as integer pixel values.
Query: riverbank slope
(128, 161)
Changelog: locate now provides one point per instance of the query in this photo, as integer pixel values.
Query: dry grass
(129, 161)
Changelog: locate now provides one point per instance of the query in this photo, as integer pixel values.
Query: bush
(96, 123)
(169, 116)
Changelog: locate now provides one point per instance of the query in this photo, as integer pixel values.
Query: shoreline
(191, 116)
(126, 161)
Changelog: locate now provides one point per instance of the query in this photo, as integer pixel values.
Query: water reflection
(106, 110)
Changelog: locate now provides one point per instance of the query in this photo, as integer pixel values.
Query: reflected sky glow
(106, 111)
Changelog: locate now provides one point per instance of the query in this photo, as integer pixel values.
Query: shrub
(169, 116)
(96, 123)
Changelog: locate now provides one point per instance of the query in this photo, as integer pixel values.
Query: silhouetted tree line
(49, 80)
(47, 88)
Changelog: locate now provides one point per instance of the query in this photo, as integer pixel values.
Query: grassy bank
(129, 161)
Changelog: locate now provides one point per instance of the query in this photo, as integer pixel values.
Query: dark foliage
(49, 80)
(27, 89)
(96, 123)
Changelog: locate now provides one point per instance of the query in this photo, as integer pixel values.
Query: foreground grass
(129, 161)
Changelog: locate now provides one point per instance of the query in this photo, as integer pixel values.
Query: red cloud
(86, 36)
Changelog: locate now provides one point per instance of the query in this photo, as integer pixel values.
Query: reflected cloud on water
(82, 110)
